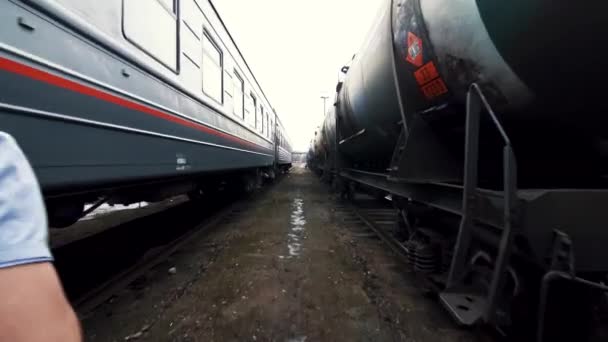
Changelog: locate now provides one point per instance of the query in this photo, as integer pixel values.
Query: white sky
(296, 49)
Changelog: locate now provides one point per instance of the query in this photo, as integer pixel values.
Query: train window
(262, 119)
(267, 126)
(255, 110)
(152, 27)
(239, 96)
(212, 69)
(249, 117)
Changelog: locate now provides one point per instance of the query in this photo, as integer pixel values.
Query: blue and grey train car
(283, 148)
(131, 100)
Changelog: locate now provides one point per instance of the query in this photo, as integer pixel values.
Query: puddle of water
(298, 339)
(297, 228)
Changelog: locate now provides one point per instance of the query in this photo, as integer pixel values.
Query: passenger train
(123, 101)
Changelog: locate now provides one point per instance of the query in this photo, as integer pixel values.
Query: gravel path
(286, 269)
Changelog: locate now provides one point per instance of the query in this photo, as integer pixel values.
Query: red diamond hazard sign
(414, 49)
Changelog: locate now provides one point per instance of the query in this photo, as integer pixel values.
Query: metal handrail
(476, 103)
(490, 111)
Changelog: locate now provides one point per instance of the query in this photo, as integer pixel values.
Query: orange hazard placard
(434, 89)
(426, 74)
(414, 49)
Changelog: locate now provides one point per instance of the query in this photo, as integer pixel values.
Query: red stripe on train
(39, 75)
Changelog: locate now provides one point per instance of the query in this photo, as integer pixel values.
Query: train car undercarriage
(67, 209)
(487, 249)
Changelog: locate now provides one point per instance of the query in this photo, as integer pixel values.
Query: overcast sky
(296, 50)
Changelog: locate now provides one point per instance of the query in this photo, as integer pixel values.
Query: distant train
(299, 157)
(132, 100)
(485, 123)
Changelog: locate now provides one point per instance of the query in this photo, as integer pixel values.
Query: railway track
(366, 217)
(96, 268)
(380, 219)
(90, 300)
(369, 217)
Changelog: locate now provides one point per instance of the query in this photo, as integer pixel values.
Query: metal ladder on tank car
(470, 308)
(467, 306)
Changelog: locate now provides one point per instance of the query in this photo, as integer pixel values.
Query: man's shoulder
(23, 223)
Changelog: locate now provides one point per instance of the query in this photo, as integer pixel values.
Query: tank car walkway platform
(285, 269)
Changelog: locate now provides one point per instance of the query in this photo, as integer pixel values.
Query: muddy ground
(285, 269)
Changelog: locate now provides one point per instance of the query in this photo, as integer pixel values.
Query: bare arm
(33, 306)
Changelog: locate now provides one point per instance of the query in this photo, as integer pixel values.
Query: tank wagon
(487, 128)
(323, 144)
(131, 100)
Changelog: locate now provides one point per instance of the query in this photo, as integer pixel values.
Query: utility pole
(325, 97)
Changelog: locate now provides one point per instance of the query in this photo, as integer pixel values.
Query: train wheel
(250, 184)
(196, 195)
(340, 186)
(252, 181)
(272, 175)
(347, 191)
